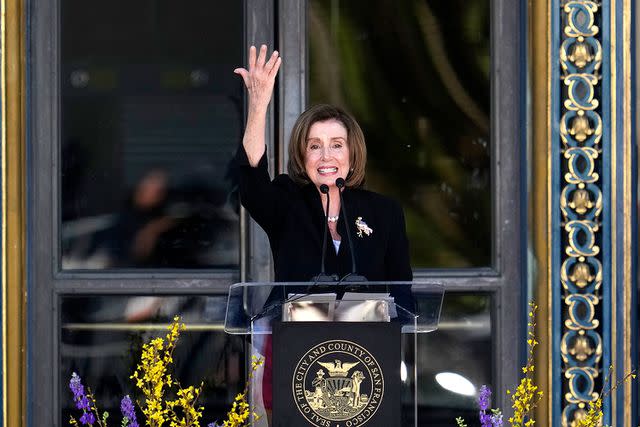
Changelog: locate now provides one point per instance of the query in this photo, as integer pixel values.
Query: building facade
(506, 129)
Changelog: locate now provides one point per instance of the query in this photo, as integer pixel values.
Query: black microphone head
(340, 182)
(324, 188)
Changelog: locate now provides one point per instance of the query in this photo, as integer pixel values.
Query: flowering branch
(527, 395)
(128, 413)
(151, 375)
(241, 412)
(593, 418)
(87, 403)
(153, 378)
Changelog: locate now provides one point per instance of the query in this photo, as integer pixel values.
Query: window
(151, 117)
(416, 76)
(140, 98)
(135, 115)
(432, 83)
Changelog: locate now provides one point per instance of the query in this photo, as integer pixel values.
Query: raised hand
(259, 80)
(260, 77)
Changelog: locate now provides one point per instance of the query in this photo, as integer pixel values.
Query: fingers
(276, 67)
(244, 74)
(262, 56)
(252, 58)
(272, 60)
(258, 67)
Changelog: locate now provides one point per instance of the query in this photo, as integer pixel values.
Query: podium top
(254, 306)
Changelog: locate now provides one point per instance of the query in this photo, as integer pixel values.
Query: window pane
(102, 337)
(463, 346)
(151, 116)
(416, 75)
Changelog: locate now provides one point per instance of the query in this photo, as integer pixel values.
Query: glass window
(416, 76)
(449, 379)
(151, 117)
(102, 337)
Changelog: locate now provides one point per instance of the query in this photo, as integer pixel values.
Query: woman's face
(327, 154)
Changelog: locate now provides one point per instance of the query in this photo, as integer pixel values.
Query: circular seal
(338, 383)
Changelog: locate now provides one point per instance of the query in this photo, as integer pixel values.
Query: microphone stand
(353, 276)
(323, 276)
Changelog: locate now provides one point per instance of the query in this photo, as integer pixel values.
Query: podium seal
(338, 383)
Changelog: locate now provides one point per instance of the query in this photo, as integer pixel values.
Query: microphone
(323, 276)
(353, 276)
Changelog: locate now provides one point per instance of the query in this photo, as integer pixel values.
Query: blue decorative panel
(581, 208)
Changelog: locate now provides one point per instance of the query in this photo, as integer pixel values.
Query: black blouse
(293, 218)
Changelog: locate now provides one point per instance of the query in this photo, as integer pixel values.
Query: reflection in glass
(454, 362)
(416, 76)
(151, 116)
(102, 337)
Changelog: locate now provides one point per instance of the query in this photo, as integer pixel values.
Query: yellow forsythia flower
(153, 378)
(241, 412)
(526, 395)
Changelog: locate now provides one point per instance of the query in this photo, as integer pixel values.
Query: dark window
(151, 116)
(456, 359)
(102, 338)
(416, 76)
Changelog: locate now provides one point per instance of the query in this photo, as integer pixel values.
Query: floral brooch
(363, 227)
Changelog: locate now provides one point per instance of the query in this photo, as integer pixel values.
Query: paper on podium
(365, 307)
(353, 307)
(309, 308)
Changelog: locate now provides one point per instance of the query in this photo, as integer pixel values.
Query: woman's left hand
(260, 77)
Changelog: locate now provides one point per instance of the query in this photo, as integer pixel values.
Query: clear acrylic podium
(253, 308)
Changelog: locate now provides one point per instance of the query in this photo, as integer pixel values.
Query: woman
(326, 144)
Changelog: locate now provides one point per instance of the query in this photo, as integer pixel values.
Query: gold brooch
(363, 227)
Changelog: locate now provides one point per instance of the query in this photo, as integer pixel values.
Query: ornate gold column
(582, 206)
(13, 214)
(540, 196)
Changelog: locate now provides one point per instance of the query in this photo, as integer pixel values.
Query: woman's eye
(314, 147)
(337, 146)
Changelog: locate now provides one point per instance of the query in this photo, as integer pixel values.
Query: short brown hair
(355, 143)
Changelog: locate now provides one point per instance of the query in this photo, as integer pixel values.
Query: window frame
(505, 279)
(47, 283)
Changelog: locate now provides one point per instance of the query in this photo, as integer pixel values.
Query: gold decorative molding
(581, 205)
(629, 210)
(540, 72)
(539, 50)
(13, 214)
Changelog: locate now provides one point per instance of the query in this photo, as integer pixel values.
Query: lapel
(313, 204)
(344, 255)
(316, 211)
(339, 263)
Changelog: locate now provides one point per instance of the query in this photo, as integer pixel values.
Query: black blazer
(293, 218)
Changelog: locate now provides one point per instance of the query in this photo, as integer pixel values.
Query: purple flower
(128, 411)
(75, 384)
(484, 403)
(485, 420)
(496, 420)
(88, 418)
(484, 398)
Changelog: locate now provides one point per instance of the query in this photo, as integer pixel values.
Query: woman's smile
(327, 170)
(327, 153)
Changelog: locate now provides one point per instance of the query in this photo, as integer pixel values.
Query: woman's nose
(325, 153)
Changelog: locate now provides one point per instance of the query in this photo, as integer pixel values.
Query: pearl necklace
(333, 218)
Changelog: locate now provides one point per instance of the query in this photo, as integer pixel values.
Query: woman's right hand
(260, 77)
